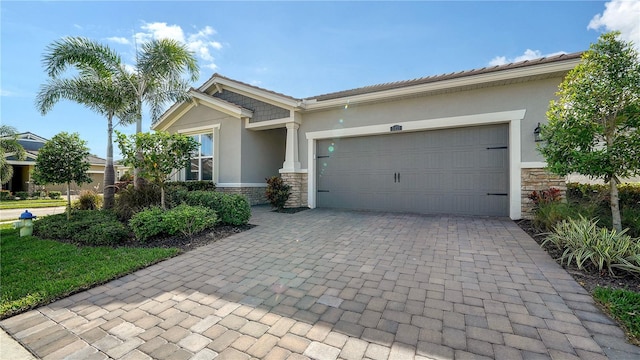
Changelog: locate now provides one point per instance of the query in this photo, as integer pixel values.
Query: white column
(291, 162)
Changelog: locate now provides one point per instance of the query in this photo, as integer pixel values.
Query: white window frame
(215, 130)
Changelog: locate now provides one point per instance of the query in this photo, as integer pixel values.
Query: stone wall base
(255, 195)
(538, 180)
(299, 183)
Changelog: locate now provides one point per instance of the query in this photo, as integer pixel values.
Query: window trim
(215, 130)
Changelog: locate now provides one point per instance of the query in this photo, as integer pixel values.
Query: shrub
(23, 195)
(127, 176)
(130, 201)
(549, 214)
(277, 192)
(5, 195)
(183, 219)
(90, 227)
(546, 196)
(55, 195)
(193, 185)
(147, 223)
(232, 209)
(88, 200)
(631, 221)
(584, 244)
(188, 220)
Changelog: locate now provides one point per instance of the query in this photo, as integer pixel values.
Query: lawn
(31, 204)
(624, 306)
(36, 271)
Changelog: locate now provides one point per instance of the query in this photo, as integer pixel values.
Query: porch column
(291, 162)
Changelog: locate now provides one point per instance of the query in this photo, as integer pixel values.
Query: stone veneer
(255, 195)
(538, 180)
(299, 184)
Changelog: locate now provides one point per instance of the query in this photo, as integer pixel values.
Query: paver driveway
(326, 284)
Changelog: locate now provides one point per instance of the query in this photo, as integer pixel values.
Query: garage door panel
(449, 171)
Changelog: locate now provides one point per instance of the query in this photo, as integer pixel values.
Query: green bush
(232, 209)
(183, 219)
(23, 195)
(130, 201)
(5, 195)
(628, 193)
(88, 200)
(147, 223)
(188, 220)
(582, 242)
(277, 192)
(193, 185)
(631, 221)
(90, 227)
(547, 215)
(55, 195)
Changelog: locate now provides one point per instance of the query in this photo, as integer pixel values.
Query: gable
(262, 111)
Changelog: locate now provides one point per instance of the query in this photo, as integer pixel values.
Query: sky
(298, 48)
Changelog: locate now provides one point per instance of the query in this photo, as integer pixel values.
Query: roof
(436, 78)
(219, 76)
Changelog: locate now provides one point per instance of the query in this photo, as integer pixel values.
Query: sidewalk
(11, 215)
(11, 349)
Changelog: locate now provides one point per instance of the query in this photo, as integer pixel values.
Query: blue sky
(300, 49)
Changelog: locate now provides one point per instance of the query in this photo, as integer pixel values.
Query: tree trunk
(68, 200)
(615, 204)
(162, 197)
(137, 181)
(109, 172)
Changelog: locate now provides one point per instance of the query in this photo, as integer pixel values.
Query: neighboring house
(21, 180)
(460, 143)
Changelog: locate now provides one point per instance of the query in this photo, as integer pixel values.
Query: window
(201, 164)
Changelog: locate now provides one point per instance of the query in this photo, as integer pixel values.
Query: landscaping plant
(584, 244)
(9, 145)
(277, 192)
(593, 125)
(63, 160)
(624, 305)
(89, 227)
(232, 209)
(157, 155)
(183, 219)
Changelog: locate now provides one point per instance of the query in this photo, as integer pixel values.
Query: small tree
(8, 145)
(63, 160)
(162, 154)
(594, 126)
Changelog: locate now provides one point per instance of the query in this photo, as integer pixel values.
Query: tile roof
(252, 86)
(436, 78)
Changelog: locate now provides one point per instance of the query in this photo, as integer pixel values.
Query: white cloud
(7, 93)
(119, 40)
(620, 15)
(527, 55)
(199, 42)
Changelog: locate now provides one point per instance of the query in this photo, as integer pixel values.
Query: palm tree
(8, 145)
(102, 84)
(158, 79)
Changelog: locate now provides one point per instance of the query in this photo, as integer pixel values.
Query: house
(460, 143)
(21, 180)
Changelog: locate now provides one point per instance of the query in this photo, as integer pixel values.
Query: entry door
(452, 171)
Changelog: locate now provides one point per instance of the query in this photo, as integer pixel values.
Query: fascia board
(168, 120)
(446, 84)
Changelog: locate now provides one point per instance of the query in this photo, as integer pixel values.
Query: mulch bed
(588, 278)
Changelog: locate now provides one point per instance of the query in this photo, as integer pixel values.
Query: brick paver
(324, 284)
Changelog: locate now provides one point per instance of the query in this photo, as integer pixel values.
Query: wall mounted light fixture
(536, 133)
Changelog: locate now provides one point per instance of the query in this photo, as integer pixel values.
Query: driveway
(335, 284)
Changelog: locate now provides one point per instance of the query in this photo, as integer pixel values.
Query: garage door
(452, 171)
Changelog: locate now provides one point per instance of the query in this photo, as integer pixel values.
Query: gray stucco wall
(534, 96)
(262, 154)
(262, 111)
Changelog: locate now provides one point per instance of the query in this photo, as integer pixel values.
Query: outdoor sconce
(536, 133)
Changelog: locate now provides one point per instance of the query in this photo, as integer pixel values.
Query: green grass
(31, 204)
(36, 271)
(624, 306)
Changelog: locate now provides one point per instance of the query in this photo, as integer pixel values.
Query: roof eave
(248, 90)
(477, 79)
